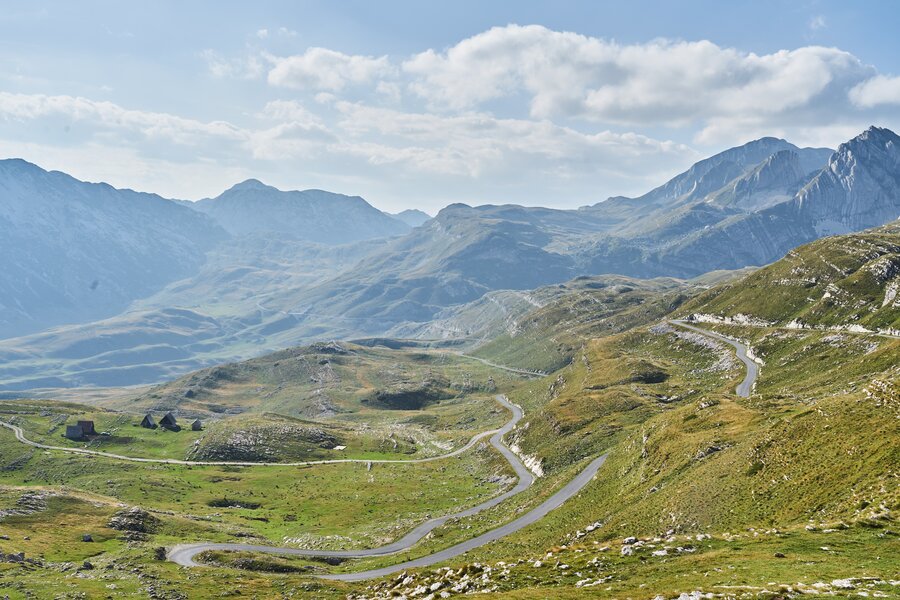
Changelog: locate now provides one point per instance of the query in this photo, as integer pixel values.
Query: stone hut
(147, 422)
(74, 432)
(87, 427)
(168, 421)
(196, 425)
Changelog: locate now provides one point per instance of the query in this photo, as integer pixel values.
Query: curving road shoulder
(746, 386)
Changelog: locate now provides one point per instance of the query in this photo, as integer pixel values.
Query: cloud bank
(515, 113)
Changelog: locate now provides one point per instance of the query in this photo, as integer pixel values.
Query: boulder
(133, 519)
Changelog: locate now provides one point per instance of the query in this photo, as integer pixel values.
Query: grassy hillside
(547, 337)
(841, 281)
(293, 405)
(804, 469)
(790, 491)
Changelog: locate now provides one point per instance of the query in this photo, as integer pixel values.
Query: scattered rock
(133, 519)
(704, 452)
(16, 557)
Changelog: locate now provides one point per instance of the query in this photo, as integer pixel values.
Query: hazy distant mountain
(744, 207)
(215, 315)
(726, 212)
(311, 215)
(74, 251)
(256, 294)
(412, 217)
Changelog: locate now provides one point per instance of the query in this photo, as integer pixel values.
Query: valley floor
(672, 460)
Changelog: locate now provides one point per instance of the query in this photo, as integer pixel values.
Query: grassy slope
(547, 337)
(817, 444)
(834, 281)
(262, 437)
(360, 507)
(297, 404)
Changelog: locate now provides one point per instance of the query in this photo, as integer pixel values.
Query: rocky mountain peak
(783, 166)
(875, 143)
(860, 187)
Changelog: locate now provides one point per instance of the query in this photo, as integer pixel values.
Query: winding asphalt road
(183, 554)
(746, 386)
(529, 518)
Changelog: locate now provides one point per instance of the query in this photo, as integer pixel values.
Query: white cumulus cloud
(658, 82)
(323, 69)
(880, 89)
(479, 145)
(111, 116)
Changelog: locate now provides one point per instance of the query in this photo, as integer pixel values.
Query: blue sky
(416, 104)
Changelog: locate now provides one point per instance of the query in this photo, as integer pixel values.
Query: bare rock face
(774, 180)
(860, 187)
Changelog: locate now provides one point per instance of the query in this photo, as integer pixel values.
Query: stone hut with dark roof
(87, 427)
(196, 425)
(147, 422)
(168, 421)
(74, 432)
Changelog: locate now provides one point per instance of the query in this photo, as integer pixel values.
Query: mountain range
(252, 207)
(75, 251)
(336, 267)
(747, 206)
